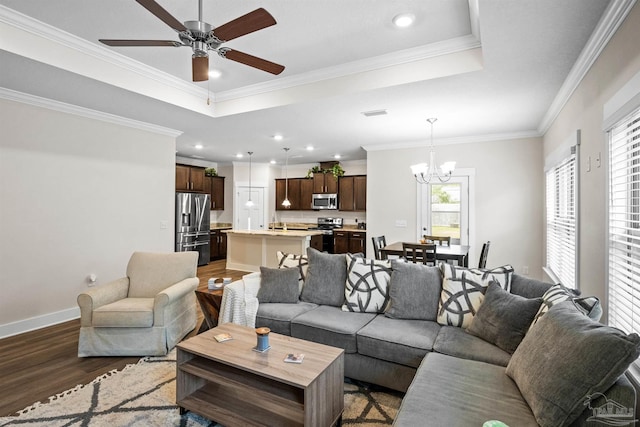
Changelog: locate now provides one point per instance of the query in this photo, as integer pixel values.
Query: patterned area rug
(143, 394)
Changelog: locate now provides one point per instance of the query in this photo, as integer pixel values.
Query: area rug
(143, 394)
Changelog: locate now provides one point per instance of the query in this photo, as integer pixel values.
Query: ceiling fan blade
(111, 42)
(252, 61)
(252, 21)
(200, 68)
(162, 14)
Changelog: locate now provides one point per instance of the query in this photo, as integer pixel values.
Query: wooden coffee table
(230, 383)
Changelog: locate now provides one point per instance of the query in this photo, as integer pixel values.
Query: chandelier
(424, 172)
(286, 203)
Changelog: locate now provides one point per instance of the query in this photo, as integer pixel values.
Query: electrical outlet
(164, 225)
(525, 269)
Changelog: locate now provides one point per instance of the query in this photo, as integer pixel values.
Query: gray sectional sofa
(564, 367)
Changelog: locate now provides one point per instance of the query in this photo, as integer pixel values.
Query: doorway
(249, 218)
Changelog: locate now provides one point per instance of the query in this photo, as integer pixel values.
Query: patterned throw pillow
(367, 286)
(301, 262)
(590, 306)
(463, 291)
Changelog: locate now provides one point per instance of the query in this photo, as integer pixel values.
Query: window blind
(561, 206)
(624, 224)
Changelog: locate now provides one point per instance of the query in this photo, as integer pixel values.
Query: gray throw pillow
(414, 291)
(503, 318)
(565, 359)
(326, 278)
(278, 285)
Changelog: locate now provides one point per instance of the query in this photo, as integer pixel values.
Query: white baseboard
(38, 322)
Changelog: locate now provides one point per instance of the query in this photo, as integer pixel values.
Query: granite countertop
(282, 233)
(219, 225)
(293, 225)
(350, 228)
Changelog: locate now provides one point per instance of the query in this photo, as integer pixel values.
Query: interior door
(250, 218)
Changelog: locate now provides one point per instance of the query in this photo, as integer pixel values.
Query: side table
(210, 301)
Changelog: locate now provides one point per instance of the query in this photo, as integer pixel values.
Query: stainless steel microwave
(324, 201)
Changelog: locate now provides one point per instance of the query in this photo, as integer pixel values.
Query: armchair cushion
(125, 313)
(149, 272)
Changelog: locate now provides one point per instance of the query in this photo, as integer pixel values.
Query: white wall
(508, 194)
(77, 196)
(618, 62)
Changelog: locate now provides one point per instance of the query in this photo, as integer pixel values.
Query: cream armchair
(144, 314)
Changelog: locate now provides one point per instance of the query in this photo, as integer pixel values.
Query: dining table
(459, 253)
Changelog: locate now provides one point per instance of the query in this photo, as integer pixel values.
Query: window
(624, 223)
(561, 217)
(443, 209)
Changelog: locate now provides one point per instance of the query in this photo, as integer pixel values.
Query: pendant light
(424, 172)
(249, 202)
(286, 203)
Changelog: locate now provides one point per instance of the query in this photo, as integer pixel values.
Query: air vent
(374, 113)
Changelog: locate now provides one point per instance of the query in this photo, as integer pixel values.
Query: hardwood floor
(39, 364)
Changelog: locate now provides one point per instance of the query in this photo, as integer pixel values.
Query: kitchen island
(247, 250)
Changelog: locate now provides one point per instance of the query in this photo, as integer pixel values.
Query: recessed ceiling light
(277, 137)
(239, 155)
(404, 20)
(273, 162)
(215, 74)
(199, 146)
(309, 147)
(337, 156)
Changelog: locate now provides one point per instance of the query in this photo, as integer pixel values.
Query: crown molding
(457, 140)
(37, 101)
(613, 17)
(404, 56)
(68, 40)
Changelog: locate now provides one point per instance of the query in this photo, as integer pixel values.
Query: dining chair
(438, 240)
(419, 253)
(483, 254)
(379, 243)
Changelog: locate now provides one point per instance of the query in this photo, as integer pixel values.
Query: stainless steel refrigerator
(192, 225)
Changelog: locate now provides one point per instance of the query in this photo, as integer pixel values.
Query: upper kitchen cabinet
(300, 192)
(352, 195)
(325, 183)
(189, 178)
(214, 185)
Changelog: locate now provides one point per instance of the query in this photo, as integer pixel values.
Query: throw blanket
(239, 301)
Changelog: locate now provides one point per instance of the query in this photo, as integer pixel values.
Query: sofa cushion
(326, 278)
(396, 340)
(414, 291)
(454, 341)
(528, 287)
(462, 294)
(503, 318)
(299, 262)
(367, 286)
(448, 391)
(331, 326)
(588, 356)
(278, 317)
(278, 285)
(125, 313)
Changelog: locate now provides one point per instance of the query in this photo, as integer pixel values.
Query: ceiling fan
(202, 37)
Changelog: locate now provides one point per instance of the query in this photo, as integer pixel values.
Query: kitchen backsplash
(312, 216)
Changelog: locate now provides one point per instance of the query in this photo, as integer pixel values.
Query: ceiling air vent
(374, 113)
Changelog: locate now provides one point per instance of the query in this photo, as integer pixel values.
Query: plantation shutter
(624, 224)
(561, 204)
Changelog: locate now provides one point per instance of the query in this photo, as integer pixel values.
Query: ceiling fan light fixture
(200, 68)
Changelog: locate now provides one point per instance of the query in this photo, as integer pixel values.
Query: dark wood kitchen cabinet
(325, 183)
(214, 185)
(218, 245)
(300, 191)
(352, 241)
(352, 193)
(189, 178)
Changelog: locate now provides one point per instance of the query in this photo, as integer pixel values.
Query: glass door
(446, 209)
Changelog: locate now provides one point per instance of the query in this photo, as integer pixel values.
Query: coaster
(261, 351)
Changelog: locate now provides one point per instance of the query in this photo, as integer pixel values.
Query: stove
(327, 225)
